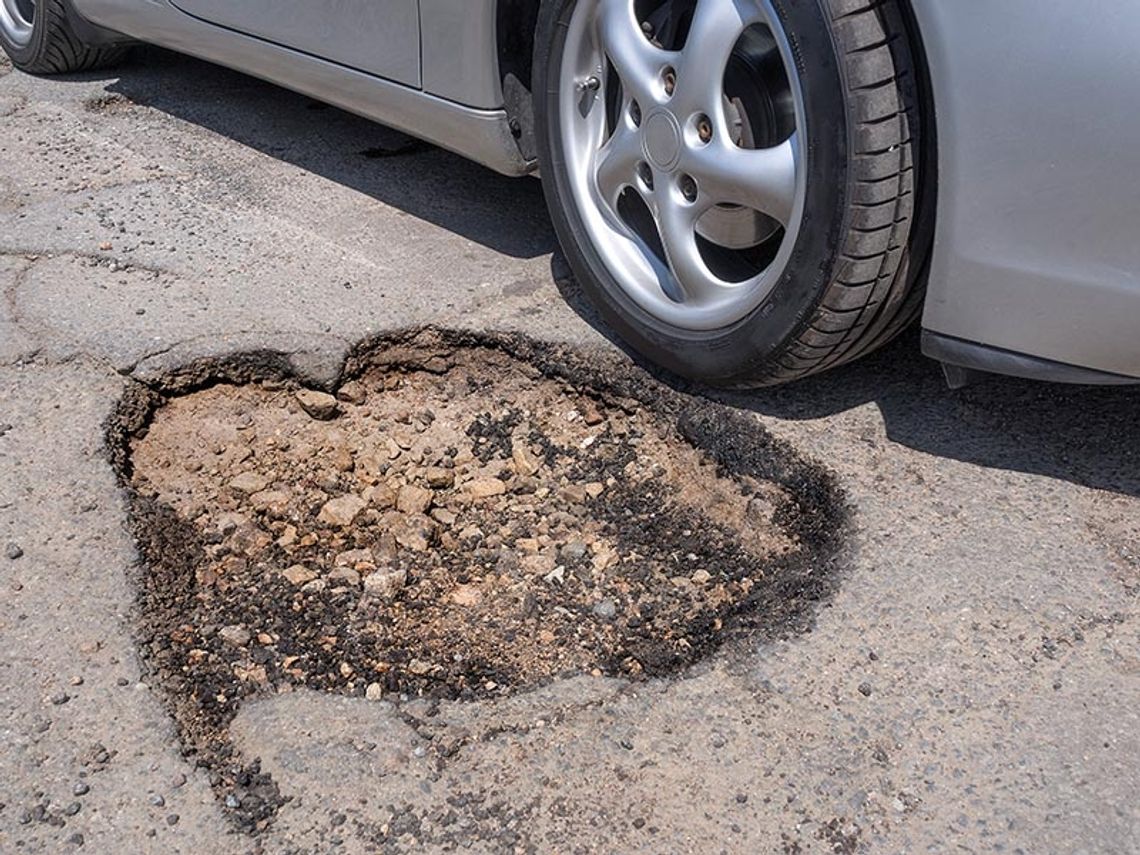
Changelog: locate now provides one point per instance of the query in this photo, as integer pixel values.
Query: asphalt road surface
(972, 684)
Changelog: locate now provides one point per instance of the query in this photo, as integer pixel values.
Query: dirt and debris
(456, 525)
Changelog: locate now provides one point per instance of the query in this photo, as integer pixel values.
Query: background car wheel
(734, 181)
(39, 39)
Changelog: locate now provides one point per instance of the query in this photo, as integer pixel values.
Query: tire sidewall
(740, 352)
(26, 55)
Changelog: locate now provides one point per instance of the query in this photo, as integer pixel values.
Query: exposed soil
(457, 522)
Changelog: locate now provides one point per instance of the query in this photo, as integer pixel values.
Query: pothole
(463, 520)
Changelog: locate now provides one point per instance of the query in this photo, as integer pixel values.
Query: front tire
(38, 37)
(734, 181)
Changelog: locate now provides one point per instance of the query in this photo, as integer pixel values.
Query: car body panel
(381, 37)
(1038, 149)
(460, 51)
(1037, 248)
(483, 135)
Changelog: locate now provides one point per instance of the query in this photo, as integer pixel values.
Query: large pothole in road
(461, 521)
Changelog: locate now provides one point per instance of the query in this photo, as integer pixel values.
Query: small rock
(606, 609)
(157, 800)
(381, 497)
(374, 692)
(443, 516)
(232, 801)
(573, 551)
(235, 635)
(386, 582)
(178, 780)
(594, 489)
(172, 819)
(485, 488)
(352, 392)
(60, 698)
(80, 788)
(526, 464)
(76, 839)
(865, 689)
(249, 482)
(700, 577)
(319, 405)
(344, 576)
(341, 511)
(418, 667)
(467, 595)
(273, 502)
(439, 478)
(298, 574)
(13, 551)
(414, 500)
(355, 558)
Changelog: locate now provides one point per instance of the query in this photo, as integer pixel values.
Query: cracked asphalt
(973, 685)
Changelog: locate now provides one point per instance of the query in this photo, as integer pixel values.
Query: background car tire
(851, 280)
(38, 37)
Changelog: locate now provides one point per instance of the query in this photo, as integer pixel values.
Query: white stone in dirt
(386, 582)
(298, 574)
(341, 511)
(235, 634)
(700, 577)
(249, 482)
(319, 405)
(374, 692)
(484, 488)
(414, 500)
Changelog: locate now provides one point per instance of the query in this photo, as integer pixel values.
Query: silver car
(750, 191)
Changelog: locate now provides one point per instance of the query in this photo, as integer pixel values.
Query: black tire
(853, 281)
(54, 47)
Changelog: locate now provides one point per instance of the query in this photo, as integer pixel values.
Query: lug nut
(689, 188)
(645, 174)
(704, 128)
(670, 79)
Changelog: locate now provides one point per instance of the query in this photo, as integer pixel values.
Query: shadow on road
(1082, 434)
(506, 215)
(1086, 435)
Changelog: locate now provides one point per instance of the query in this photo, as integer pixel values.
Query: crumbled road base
(453, 524)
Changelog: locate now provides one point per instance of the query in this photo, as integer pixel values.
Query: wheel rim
(16, 19)
(682, 129)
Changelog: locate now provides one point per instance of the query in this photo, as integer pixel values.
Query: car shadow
(505, 215)
(1085, 435)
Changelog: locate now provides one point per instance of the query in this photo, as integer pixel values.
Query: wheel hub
(661, 140)
(685, 151)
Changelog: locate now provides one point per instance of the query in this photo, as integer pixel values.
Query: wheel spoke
(762, 178)
(638, 62)
(616, 164)
(716, 27)
(677, 227)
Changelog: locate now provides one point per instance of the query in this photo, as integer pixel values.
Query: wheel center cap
(662, 140)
